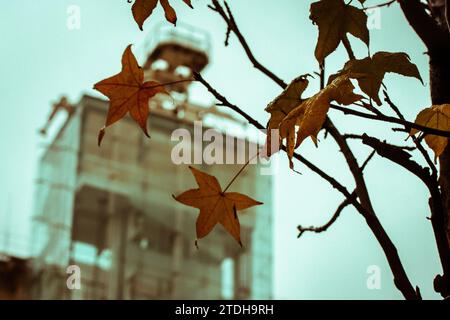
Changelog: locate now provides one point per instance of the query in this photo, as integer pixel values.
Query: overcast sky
(41, 59)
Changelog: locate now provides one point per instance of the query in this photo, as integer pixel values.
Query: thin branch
(227, 37)
(383, 118)
(232, 27)
(368, 107)
(361, 137)
(333, 219)
(381, 5)
(225, 102)
(416, 141)
(338, 211)
(398, 156)
(370, 157)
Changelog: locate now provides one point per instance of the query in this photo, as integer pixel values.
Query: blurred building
(110, 210)
(15, 278)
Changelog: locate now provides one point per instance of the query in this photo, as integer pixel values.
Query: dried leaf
(436, 117)
(370, 72)
(311, 114)
(335, 19)
(279, 108)
(128, 92)
(215, 206)
(142, 9)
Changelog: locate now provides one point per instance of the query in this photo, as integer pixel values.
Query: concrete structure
(110, 210)
(15, 278)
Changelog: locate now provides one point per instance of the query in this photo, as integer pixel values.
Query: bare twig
(383, 118)
(381, 5)
(416, 141)
(338, 211)
(370, 157)
(368, 107)
(333, 219)
(360, 137)
(225, 102)
(232, 27)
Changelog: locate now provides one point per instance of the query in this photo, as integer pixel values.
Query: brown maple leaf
(142, 9)
(216, 206)
(128, 92)
(436, 117)
(311, 114)
(336, 18)
(280, 107)
(370, 71)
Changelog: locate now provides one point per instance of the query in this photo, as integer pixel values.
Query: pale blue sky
(41, 59)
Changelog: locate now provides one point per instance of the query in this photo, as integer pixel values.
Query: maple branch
(385, 4)
(333, 219)
(338, 211)
(332, 181)
(403, 159)
(400, 278)
(232, 27)
(361, 137)
(370, 157)
(398, 155)
(362, 192)
(379, 117)
(416, 141)
(225, 102)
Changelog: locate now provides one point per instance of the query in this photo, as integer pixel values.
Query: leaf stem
(348, 47)
(171, 83)
(239, 172)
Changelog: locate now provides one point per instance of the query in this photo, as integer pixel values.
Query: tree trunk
(440, 94)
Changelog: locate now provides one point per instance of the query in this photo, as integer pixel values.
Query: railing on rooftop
(184, 34)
